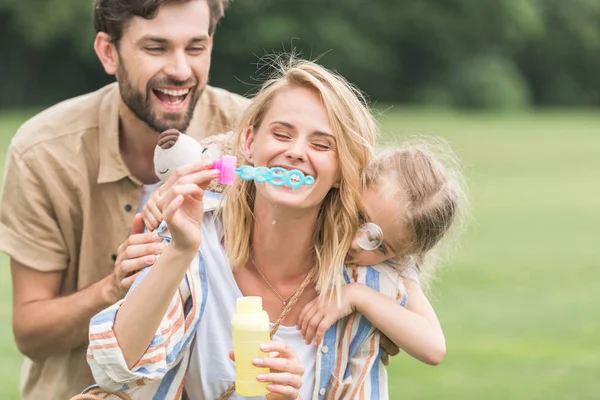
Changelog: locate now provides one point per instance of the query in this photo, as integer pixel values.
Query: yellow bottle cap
(249, 304)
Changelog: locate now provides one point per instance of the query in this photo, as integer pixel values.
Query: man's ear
(107, 53)
(249, 142)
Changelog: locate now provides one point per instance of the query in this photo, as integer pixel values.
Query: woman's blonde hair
(355, 129)
(430, 189)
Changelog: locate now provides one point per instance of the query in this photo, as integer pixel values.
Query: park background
(512, 85)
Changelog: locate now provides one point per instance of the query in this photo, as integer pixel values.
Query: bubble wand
(276, 176)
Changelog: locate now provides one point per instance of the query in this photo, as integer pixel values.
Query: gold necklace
(283, 300)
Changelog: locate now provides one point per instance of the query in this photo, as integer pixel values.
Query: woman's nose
(296, 151)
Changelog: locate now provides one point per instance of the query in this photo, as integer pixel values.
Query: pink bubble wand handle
(227, 167)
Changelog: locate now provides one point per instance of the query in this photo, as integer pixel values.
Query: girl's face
(381, 207)
(295, 134)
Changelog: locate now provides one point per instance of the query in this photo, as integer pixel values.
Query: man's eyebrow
(197, 39)
(162, 40)
(156, 39)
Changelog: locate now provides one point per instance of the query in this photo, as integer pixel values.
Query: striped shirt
(348, 362)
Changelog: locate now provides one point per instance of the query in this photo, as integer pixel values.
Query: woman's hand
(315, 318)
(181, 202)
(285, 379)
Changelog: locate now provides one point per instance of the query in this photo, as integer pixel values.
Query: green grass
(517, 302)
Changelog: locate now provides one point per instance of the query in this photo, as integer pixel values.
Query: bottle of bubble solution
(250, 325)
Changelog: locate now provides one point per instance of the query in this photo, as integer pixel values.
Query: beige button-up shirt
(68, 201)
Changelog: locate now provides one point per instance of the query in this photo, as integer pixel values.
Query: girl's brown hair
(430, 188)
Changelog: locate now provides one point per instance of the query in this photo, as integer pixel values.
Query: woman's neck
(282, 241)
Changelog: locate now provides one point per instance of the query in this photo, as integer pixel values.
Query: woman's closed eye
(281, 136)
(321, 145)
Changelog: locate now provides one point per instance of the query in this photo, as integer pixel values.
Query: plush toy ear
(174, 150)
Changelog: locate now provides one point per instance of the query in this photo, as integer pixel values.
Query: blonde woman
(284, 245)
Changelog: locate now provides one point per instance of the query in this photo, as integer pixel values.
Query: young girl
(412, 196)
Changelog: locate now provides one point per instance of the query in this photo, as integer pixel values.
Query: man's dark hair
(111, 16)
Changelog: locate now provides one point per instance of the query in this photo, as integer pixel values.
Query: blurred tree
(470, 53)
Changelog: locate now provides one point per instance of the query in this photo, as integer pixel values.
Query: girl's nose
(355, 247)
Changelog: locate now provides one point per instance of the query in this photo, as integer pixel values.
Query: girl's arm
(414, 329)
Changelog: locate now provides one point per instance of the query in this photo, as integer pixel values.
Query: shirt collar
(112, 167)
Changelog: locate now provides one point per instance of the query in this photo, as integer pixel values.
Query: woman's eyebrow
(314, 133)
(286, 124)
(324, 134)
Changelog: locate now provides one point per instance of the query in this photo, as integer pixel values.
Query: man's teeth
(181, 92)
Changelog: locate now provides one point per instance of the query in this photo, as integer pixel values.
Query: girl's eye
(361, 217)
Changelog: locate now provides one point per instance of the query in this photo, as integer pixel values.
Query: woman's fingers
(172, 208)
(199, 172)
(191, 190)
(288, 391)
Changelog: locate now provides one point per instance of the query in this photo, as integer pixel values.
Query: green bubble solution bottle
(250, 325)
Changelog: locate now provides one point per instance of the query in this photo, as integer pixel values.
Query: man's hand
(137, 252)
(389, 348)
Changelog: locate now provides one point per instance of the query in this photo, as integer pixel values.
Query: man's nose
(179, 68)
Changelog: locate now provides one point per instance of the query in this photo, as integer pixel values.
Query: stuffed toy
(175, 149)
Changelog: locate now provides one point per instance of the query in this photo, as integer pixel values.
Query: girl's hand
(285, 379)
(315, 319)
(182, 203)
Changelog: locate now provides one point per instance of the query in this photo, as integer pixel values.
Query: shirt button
(322, 392)
(128, 207)
(324, 349)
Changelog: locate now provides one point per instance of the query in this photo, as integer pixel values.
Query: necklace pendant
(284, 302)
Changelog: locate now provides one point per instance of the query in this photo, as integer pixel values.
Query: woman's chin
(286, 196)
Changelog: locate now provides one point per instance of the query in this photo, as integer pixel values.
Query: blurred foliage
(469, 53)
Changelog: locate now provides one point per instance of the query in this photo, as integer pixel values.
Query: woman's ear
(248, 143)
(107, 53)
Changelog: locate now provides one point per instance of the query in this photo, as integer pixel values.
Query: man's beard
(139, 103)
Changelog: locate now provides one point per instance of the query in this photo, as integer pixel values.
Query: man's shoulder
(60, 122)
